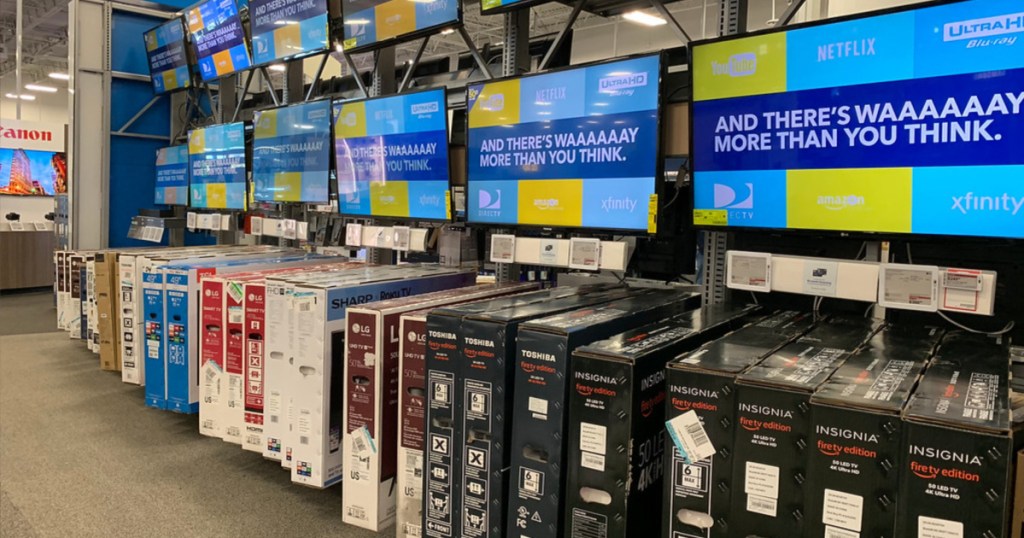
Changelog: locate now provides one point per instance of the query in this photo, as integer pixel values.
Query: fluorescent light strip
(23, 97)
(40, 88)
(645, 19)
(60, 76)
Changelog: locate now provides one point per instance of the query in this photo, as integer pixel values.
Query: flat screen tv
(168, 58)
(904, 122)
(217, 167)
(26, 172)
(574, 148)
(370, 24)
(287, 29)
(218, 38)
(291, 153)
(391, 155)
(172, 175)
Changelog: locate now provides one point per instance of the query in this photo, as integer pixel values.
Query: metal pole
(355, 74)
(245, 92)
(316, 78)
(676, 27)
(270, 85)
(787, 16)
(17, 55)
(412, 66)
(577, 8)
(475, 53)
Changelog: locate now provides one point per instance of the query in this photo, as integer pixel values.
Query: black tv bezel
(808, 232)
(246, 42)
(459, 22)
(659, 170)
(185, 49)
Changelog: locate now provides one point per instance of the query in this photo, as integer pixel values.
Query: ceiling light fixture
(60, 76)
(277, 67)
(40, 88)
(23, 97)
(645, 19)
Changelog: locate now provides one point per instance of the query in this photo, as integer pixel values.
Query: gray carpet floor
(80, 455)
(27, 312)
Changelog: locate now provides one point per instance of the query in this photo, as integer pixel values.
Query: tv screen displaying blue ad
(392, 156)
(219, 38)
(172, 175)
(285, 29)
(375, 23)
(168, 60)
(27, 172)
(906, 122)
(574, 148)
(291, 153)
(216, 156)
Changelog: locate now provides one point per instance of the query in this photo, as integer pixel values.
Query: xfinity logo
(1011, 23)
(424, 108)
(597, 378)
(739, 65)
(765, 410)
(538, 355)
(618, 204)
(479, 342)
(430, 200)
(693, 391)
(444, 335)
(622, 82)
(652, 380)
(945, 455)
(843, 433)
(971, 202)
(838, 203)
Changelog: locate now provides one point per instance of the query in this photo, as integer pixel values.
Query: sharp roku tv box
(961, 438)
(697, 494)
(371, 410)
(616, 424)
(856, 436)
(455, 347)
(541, 367)
(773, 413)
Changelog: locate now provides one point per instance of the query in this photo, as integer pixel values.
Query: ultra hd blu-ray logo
(986, 31)
(739, 65)
(424, 108)
(622, 83)
(838, 203)
(489, 203)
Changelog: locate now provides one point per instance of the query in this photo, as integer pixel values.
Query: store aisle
(80, 455)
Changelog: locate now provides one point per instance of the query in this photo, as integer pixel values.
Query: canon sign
(30, 135)
(35, 135)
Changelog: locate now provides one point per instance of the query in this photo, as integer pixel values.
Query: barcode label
(689, 437)
(832, 532)
(762, 505)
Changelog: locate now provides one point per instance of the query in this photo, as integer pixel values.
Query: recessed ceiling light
(60, 76)
(23, 97)
(645, 19)
(277, 67)
(40, 88)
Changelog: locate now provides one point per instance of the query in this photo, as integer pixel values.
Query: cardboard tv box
(962, 434)
(316, 366)
(773, 414)
(412, 369)
(371, 407)
(855, 456)
(542, 365)
(697, 494)
(447, 349)
(616, 423)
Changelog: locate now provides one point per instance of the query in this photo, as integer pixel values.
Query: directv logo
(739, 65)
(992, 26)
(727, 198)
(424, 108)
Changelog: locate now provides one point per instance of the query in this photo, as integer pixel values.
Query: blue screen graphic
(217, 167)
(291, 153)
(168, 61)
(219, 38)
(172, 175)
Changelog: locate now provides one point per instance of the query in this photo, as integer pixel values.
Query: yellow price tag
(448, 204)
(652, 214)
(711, 217)
(348, 43)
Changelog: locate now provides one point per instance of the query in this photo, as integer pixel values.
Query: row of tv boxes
(556, 427)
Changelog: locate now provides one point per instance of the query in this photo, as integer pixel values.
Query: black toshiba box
(697, 495)
(960, 445)
(477, 380)
(542, 363)
(855, 456)
(773, 412)
(616, 424)
(445, 400)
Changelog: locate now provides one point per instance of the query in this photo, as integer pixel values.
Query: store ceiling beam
(787, 16)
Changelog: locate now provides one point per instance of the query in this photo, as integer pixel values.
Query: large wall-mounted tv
(217, 168)
(574, 148)
(376, 23)
(291, 153)
(910, 121)
(172, 175)
(392, 156)
(286, 29)
(27, 172)
(218, 37)
(168, 58)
